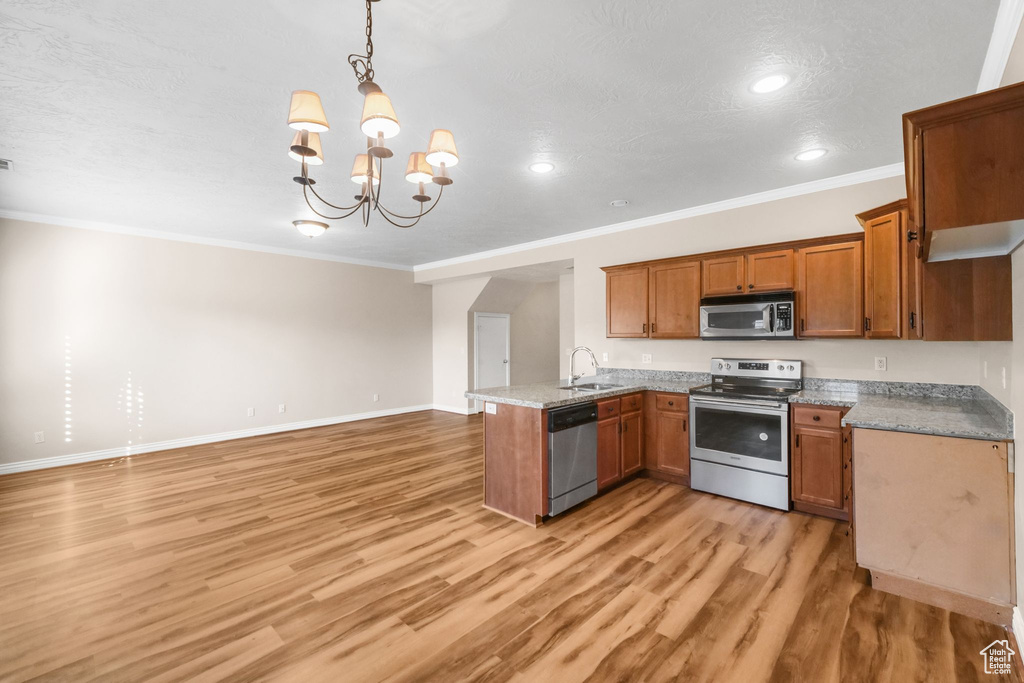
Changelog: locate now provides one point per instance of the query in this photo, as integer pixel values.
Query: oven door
(747, 435)
(737, 321)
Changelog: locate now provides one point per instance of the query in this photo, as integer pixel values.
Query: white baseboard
(1018, 623)
(122, 451)
(454, 409)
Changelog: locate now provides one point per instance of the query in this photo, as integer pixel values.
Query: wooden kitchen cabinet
(771, 271)
(724, 275)
(967, 300)
(668, 437)
(818, 484)
(830, 299)
(620, 439)
(884, 251)
(675, 301)
(626, 302)
(965, 165)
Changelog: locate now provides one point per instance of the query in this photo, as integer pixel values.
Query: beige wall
(821, 213)
(535, 336)
(453, 343)
(566, 324)
(202, 332)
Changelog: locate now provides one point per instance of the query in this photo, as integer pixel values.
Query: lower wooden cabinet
(820, 480)
(620, 439)
(668, 438)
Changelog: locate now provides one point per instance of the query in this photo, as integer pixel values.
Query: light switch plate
(604, 357)
(281, 407)
(251, 412)
(645, 358)
(491, 408)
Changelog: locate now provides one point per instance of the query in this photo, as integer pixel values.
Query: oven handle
(739, 404)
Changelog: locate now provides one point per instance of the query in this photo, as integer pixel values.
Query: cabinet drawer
(670, 403)
(818, 416)
(608, 408)
(631, 403)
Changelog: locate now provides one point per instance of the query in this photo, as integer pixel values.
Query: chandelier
(379, 123)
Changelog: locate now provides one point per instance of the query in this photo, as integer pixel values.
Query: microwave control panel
(784, 317)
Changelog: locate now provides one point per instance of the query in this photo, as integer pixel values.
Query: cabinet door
(818, 466)
(675, 301)
(608, 460)
(883, 239)
(672, 445)
(723, 275)
(632, 443)
(627, 303)
(830, 292)
(771, 271)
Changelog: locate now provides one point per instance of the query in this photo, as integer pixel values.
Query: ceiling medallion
(378, 123)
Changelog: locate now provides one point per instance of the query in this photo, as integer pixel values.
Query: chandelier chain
(362, 65)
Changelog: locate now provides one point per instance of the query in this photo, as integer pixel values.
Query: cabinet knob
(671, 403)
(739, 288)
(750, 286)
(817, 418)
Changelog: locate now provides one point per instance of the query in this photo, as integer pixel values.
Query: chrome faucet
(572, 363)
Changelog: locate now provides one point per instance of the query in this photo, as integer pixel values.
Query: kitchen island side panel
(515, 462)
(935, 510)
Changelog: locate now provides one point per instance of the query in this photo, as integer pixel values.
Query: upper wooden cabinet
(626, 302)
(965, 170)
(968, 300)
(675, 301)
(883, 249)
(770, 271)
(724, 275)
(831, 290)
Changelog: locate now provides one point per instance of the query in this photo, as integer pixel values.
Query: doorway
(492, 349)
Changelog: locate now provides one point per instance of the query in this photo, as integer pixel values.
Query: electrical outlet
(376, 397)
(490, 408)
(645, 358)
(604, 357)
(251, 412)
(880, 363)
(40, 437)
(281, 408)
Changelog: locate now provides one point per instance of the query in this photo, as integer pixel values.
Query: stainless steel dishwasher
(572, 456)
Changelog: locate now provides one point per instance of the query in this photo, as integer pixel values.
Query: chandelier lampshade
(300, 152)
(441, 149)
(418, 170)
(306, 112)
(360, 167)
(379, 116)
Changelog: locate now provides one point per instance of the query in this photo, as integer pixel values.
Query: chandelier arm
(330, 218)
(317, 195)
(422, 212)
(399, 225)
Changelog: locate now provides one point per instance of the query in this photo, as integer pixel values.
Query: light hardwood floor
(360, 552)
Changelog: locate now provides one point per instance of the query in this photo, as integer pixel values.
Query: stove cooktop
(744, 391)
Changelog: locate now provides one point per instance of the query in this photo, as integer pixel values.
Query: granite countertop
(940, 409)
(557, 393)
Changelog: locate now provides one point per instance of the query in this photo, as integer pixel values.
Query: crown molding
(856, 178)
(191, 239)
(1004, 33)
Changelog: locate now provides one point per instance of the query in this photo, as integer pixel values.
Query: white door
(492, 350)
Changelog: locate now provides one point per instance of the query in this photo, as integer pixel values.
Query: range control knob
(781, 368)
(719, 366)
(791, 368)
(728, 366)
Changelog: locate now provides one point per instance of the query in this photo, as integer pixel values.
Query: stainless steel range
(739, 436)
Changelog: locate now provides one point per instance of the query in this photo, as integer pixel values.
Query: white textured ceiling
(170, 116)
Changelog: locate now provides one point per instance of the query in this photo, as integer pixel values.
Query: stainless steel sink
(593, 386)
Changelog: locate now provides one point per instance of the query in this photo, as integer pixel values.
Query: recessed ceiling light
(620, 202)
(811, 154)
(310, 228)
(542, 167)
(769, 84)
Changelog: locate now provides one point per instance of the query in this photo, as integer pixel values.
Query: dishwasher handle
(571, 416)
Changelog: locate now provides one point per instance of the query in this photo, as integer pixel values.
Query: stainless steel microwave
(748, 316)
